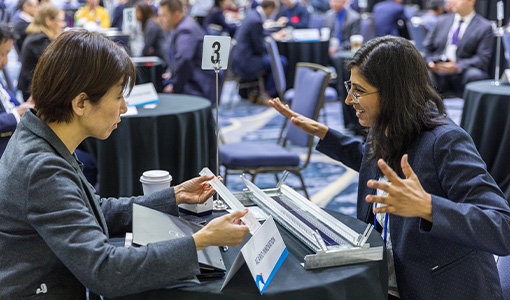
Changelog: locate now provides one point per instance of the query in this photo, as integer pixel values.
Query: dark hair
(78, 61)
(268, 3)
(6, 34)
(146, 11)
(218, 2)
(408, 102)
(172, 5)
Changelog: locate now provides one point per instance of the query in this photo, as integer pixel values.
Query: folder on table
(151, 226)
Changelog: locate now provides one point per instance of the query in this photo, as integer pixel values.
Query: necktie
(455, 37)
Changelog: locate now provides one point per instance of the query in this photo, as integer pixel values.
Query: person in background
(459, 48)
(343, 22)
(293, 14)
(249, 56)
(216, 18)
(186, 39)
(10, 109)
(28, 9)
(48, 23)
(435, 9)
(153, 36)
(92, 12)
(54, 234)
(422, 183)
(387, 15)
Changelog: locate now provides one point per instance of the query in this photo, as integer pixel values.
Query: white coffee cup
(356, 42)
(155, 180)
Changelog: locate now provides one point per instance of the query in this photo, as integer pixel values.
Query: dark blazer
(186, 61)
(298, 11)
(32, 49)
(20, 28)
(386, 16)
(7, 126)
(55, 229)
(216, 17)
(153, 37)
(351, 25)
(248, 56)
(451, 258)
(118, 16)
(474, 49)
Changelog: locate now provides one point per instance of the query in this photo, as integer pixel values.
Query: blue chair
(276, 68)
(506, 45)
(417, 34)
(255, 158)
(504, 275)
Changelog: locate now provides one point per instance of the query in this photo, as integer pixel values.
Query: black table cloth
(177, 136)
(292, 281)
(486, 118)
(314, 52)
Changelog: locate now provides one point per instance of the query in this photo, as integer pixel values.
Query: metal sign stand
(218, 204)
(499, 34)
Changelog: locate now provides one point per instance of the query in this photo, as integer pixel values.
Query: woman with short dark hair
(153, 36)
(54, 230)
(440, 212)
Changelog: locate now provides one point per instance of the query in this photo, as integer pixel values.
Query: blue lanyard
(385, 228)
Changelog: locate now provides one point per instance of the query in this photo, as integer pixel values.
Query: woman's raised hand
(306, 124)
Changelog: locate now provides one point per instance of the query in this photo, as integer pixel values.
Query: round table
(178, 136)
(359, 281)
(485, 118)
(314, 52)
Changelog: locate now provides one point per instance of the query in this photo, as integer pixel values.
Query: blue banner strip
(284, 255)
(148, 102)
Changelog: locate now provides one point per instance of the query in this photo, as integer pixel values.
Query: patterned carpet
(329, 183)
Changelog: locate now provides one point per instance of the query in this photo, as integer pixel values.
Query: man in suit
(294, 14)
(387, 14)
(186, 40)
(459, 48)
(10, 109)
(343, 22)
(250, 57)
(26, 16)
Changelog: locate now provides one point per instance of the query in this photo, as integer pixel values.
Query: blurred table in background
(485, 118)
(314, 52)
(149, 69)
(178, 136)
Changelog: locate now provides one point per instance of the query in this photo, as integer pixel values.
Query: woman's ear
(80, 103)
(47, 21)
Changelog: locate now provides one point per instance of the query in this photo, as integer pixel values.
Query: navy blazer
(248, 56)
(298, 11)
(386, 16)
(450, 258)
(186, 61)
(474, 49)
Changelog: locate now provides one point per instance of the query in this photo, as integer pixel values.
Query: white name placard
(142, 94)
(216, 50)
(264, 253)
(129, 19)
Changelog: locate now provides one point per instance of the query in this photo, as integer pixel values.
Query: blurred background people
(293, 14)
(200, 9)
(92, 12)
(459, 48)
(387, 15)
(10, 108)
(48, 23)
(26, 16)
(153, 36)
(343, 22)
(216, 18)
(435, 9)
(186, 40)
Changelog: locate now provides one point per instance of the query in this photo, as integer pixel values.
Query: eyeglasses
(355, 97)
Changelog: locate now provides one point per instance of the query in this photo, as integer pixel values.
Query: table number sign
(264, 253)
(216, 50)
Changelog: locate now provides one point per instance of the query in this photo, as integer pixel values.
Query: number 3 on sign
(216, 51)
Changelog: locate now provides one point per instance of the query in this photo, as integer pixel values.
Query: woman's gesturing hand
(406, 197)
